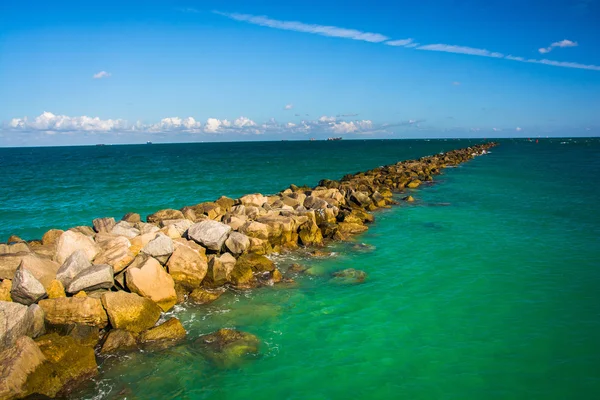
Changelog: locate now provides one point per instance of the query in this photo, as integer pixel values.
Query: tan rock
(81, 293)
(43, 269)
(55, 290)
(415, 183)
(74, 310)
(219, 270)
(51, 237)
(116, 253)
(225, 203)
(255, 229)
(256, 200)
(203, 296)
(16, 365)
(132, 218)
(164, 214)
(153, 282)
(70, 241)
(5, 288)
(130, 311)
(187, 267)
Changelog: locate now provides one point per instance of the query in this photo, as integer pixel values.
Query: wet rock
(84, 335)
(75, 264)
(152, 281)
(297, 268)
(255, 262)
(276, 276)
(74, 310)
(187, 266)
(203, 296)
(415, 183)
(130, 312)
(103, 224)
(68, 365)
(409, 199)
(16, 365)
(166, 334)
(71, 241)
(96, 277)
(38, 326)
(118, 340)
(228, 348)
(237, 243)
(346, 228)
(349, 276)
(210, 234)
(25, 288)
(219, 270)
(164, 214)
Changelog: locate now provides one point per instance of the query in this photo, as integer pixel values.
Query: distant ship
(148, 142)
(334, 138)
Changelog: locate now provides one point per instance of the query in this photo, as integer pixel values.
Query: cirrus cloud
(102, 74)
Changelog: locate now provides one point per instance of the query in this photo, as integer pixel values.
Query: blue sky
(78, 73)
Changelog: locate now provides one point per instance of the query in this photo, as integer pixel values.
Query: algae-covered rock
(409, 199)
(118, 340)
(152, 281)
(166, 334)
(51, 237)
(219, 270)
(257, 262)
(5, 287)
(164, 214)
(203, 296)
(415, 183)
(68, 365)
(56, 289)
(74, 310)
(130, 311)
(228, 347)
(349, 276)
(16, 365)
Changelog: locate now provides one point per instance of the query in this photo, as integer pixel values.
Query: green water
(486, 287)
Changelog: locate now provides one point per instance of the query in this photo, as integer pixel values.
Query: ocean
(487, 286)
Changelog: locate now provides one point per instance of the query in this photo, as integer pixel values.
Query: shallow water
(485, 287)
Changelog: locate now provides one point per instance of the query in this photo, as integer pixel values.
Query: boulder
(219, 270)
(68, 365)
(5, 288)
(203, 296)
(124, 228)
(16, 320)
(210, 234)
(71, 241)
(255, 229)
(84, 230)
(84, 335)
(74, 265)
(169, 331)
(180, 225)
(259, 246)
(118, 340)
(256, 262)
(164, 214)
(225, 203)
(188, 267)
(96, 277)
(314, 203)
(256, 200)
(152, 281)
(349, 276)
(16, 365)
(235, 221)
(227, 348)
(129, 311)
(38, 326)
(74, 310)
(237, 243)
(19, 247)
(43, 269)
(242, 276)
(25, 288)
(351, 228)
(159, 247)
(56, 290)
(51, 237)
(131, 217)
(103, 224)
(415, 183)
(116, 253)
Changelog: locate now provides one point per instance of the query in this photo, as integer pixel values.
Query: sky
(75, 73)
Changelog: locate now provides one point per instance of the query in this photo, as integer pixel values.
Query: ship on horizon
(334, 138)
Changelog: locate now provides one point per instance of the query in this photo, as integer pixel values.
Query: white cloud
(288, 107)
(54, 123)
(175, 124)
(242, 122)
(327, 119)
(562, 43)
(402, 42)
(323, 30)
(513, 58)
(102, 74)
(352, 126)
(565, 64)
(448, 48)
(518, 129)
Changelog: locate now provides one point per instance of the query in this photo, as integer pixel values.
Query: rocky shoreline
(88, 292)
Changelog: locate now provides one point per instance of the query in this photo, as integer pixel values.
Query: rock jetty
(89, 291)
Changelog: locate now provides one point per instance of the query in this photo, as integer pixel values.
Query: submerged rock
(203, 296)
(118, 340)
(228, 348)
(164, 335)
(349, 276)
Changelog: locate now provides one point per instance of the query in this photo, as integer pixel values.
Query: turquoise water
(485, 287)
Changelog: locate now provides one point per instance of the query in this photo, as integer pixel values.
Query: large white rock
(26, 289)
(124, 228)
(71, 241)
(96, 277)
(74, 265)
(210, 234)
